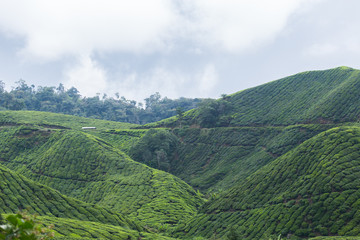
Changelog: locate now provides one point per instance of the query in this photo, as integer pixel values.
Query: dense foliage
(22, 226)
(155, 149)
(69, 101)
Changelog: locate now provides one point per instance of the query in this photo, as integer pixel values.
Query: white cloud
(137, 86)
(56, 28)
(318, 50)
(203, 30)
(344, 44)
(207, 80)
(235, 25)
(170, 83)
(88, 77)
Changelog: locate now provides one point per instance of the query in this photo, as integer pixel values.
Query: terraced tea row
(86, 167)
(18, 192)
(312, 190)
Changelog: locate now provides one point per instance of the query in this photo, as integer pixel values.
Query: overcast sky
(189, 48)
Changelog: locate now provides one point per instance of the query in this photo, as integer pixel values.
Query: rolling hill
(327, 96)
(280, 158)
(81, 165)
(18, 192)
(214, 159)
(312, 190)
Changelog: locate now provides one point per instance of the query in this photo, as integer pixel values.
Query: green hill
(329, 96)
(56, 121)
(280, 158)
(18, 192)
(311, 190)
(88, 168)
(72, 229)
(224, 141)
(72, 219)
(217, 158)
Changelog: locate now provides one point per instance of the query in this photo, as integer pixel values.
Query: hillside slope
(81, 165)
(328, 96)
(312, 190)
(215, 159)
(55, 120)
(18, 192)
(72, 229)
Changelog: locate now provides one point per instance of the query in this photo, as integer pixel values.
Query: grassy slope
(86, 167)
(216, 159)
(72, 219)
(313, 189)
(72, 229)
(220, 157)
(316, 96)
(55, 120)
(18, 192)
(310, 97)
(122, 139)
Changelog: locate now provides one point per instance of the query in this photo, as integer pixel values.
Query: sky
(179, 48)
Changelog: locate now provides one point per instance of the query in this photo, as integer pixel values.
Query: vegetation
(18, 193)
(155, 149)
(72, 229)
(88, 168)
(311, 190)
(23, 226)
(277, 161)
(215, 159)
(328, 96)
(69, 101)
(56, 121)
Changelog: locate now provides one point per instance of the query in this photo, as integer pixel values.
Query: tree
(152, 100)
(60, 89)
(73, 93)
(2, 86)
(180, 114)
(155, 149)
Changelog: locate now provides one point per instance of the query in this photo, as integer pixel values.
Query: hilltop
(328, 96)
(224, 141)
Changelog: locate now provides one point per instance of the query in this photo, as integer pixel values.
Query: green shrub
(23, 226)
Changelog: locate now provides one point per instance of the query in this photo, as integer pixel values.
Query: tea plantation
(278, 161)
(311, 190)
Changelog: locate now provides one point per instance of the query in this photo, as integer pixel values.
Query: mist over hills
(280, 158)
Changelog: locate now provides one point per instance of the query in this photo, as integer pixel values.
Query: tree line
(69, 101)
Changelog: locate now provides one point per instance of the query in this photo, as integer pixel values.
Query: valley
(281, 159)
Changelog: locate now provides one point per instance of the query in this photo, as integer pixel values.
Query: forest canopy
(69, 101)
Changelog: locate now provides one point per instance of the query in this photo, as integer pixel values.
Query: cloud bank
(56, 29)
